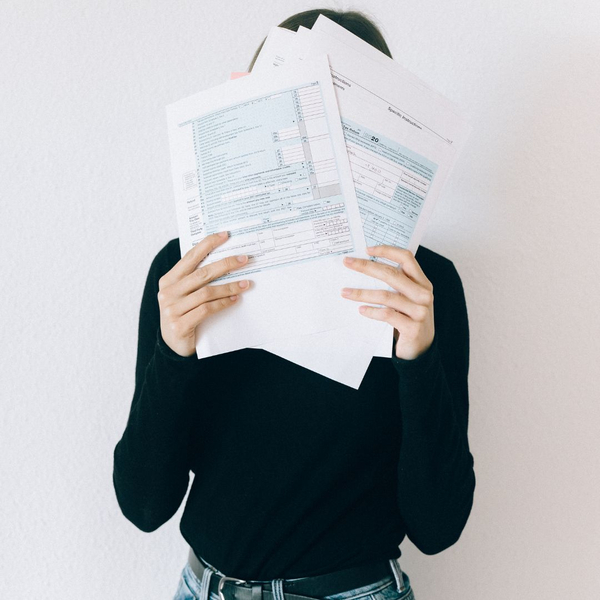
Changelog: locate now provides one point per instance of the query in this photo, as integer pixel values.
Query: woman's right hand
(185, 298)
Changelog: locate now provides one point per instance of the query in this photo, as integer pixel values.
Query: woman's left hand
(409, 308)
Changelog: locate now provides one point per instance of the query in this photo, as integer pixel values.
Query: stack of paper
(336, 149)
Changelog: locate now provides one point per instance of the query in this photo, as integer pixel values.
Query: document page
(263, 157)
(278, 38)
(402, 139)
(269, 176)
(391, 184)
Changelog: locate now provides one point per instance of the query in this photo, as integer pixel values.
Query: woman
(304, 487)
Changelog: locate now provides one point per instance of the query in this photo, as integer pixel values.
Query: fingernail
(348, 260)
(243, 284)
(223, 234)
(346, 292)
(241, 258)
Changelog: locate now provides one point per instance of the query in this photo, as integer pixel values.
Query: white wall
(86, 202)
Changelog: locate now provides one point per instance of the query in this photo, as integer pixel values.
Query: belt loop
(277, 586)
(398, 576)
(205, 583)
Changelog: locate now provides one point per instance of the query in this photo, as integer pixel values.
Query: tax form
(402, 139)
(263, 157)
(443, 130)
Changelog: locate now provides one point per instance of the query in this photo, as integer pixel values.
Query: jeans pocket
(183, 591)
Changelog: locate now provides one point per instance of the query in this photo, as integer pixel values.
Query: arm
(151, 470)
(151, 461)
(436, 481)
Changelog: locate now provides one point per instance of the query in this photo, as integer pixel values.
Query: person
(303, 487)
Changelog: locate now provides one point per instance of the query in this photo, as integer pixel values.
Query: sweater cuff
(171, 357)
(417, 367)
(419, 381)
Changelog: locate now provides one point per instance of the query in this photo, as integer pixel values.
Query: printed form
(263, 157)
(422, 123)
(402, 139)
(269, 176)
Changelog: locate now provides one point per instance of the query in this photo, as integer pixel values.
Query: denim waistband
(277, 585)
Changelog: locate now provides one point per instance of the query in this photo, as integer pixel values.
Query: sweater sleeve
(150, 468)
(436, 480)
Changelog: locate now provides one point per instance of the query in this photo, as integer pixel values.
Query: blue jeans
(388, 588)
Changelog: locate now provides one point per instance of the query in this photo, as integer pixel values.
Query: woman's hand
(409, 309)
(185, 298)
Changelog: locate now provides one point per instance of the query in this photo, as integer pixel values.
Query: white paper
(343, 355)
(380, 99)
(269, 56)
(403, 140)
(401, 137)
(340, 354)
(241, 162)
(331, 28)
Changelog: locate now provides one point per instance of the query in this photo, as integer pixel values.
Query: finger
(416, 312)
(207, 293)
(193, 318)
(403, 257)
(389, 315)
(395, 278)
(205, 274)
(193, 258)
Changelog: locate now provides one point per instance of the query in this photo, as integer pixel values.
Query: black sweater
(296, 474)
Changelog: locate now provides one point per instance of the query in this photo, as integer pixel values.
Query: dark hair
(354, 21)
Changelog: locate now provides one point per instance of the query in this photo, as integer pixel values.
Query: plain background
(87, 202)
